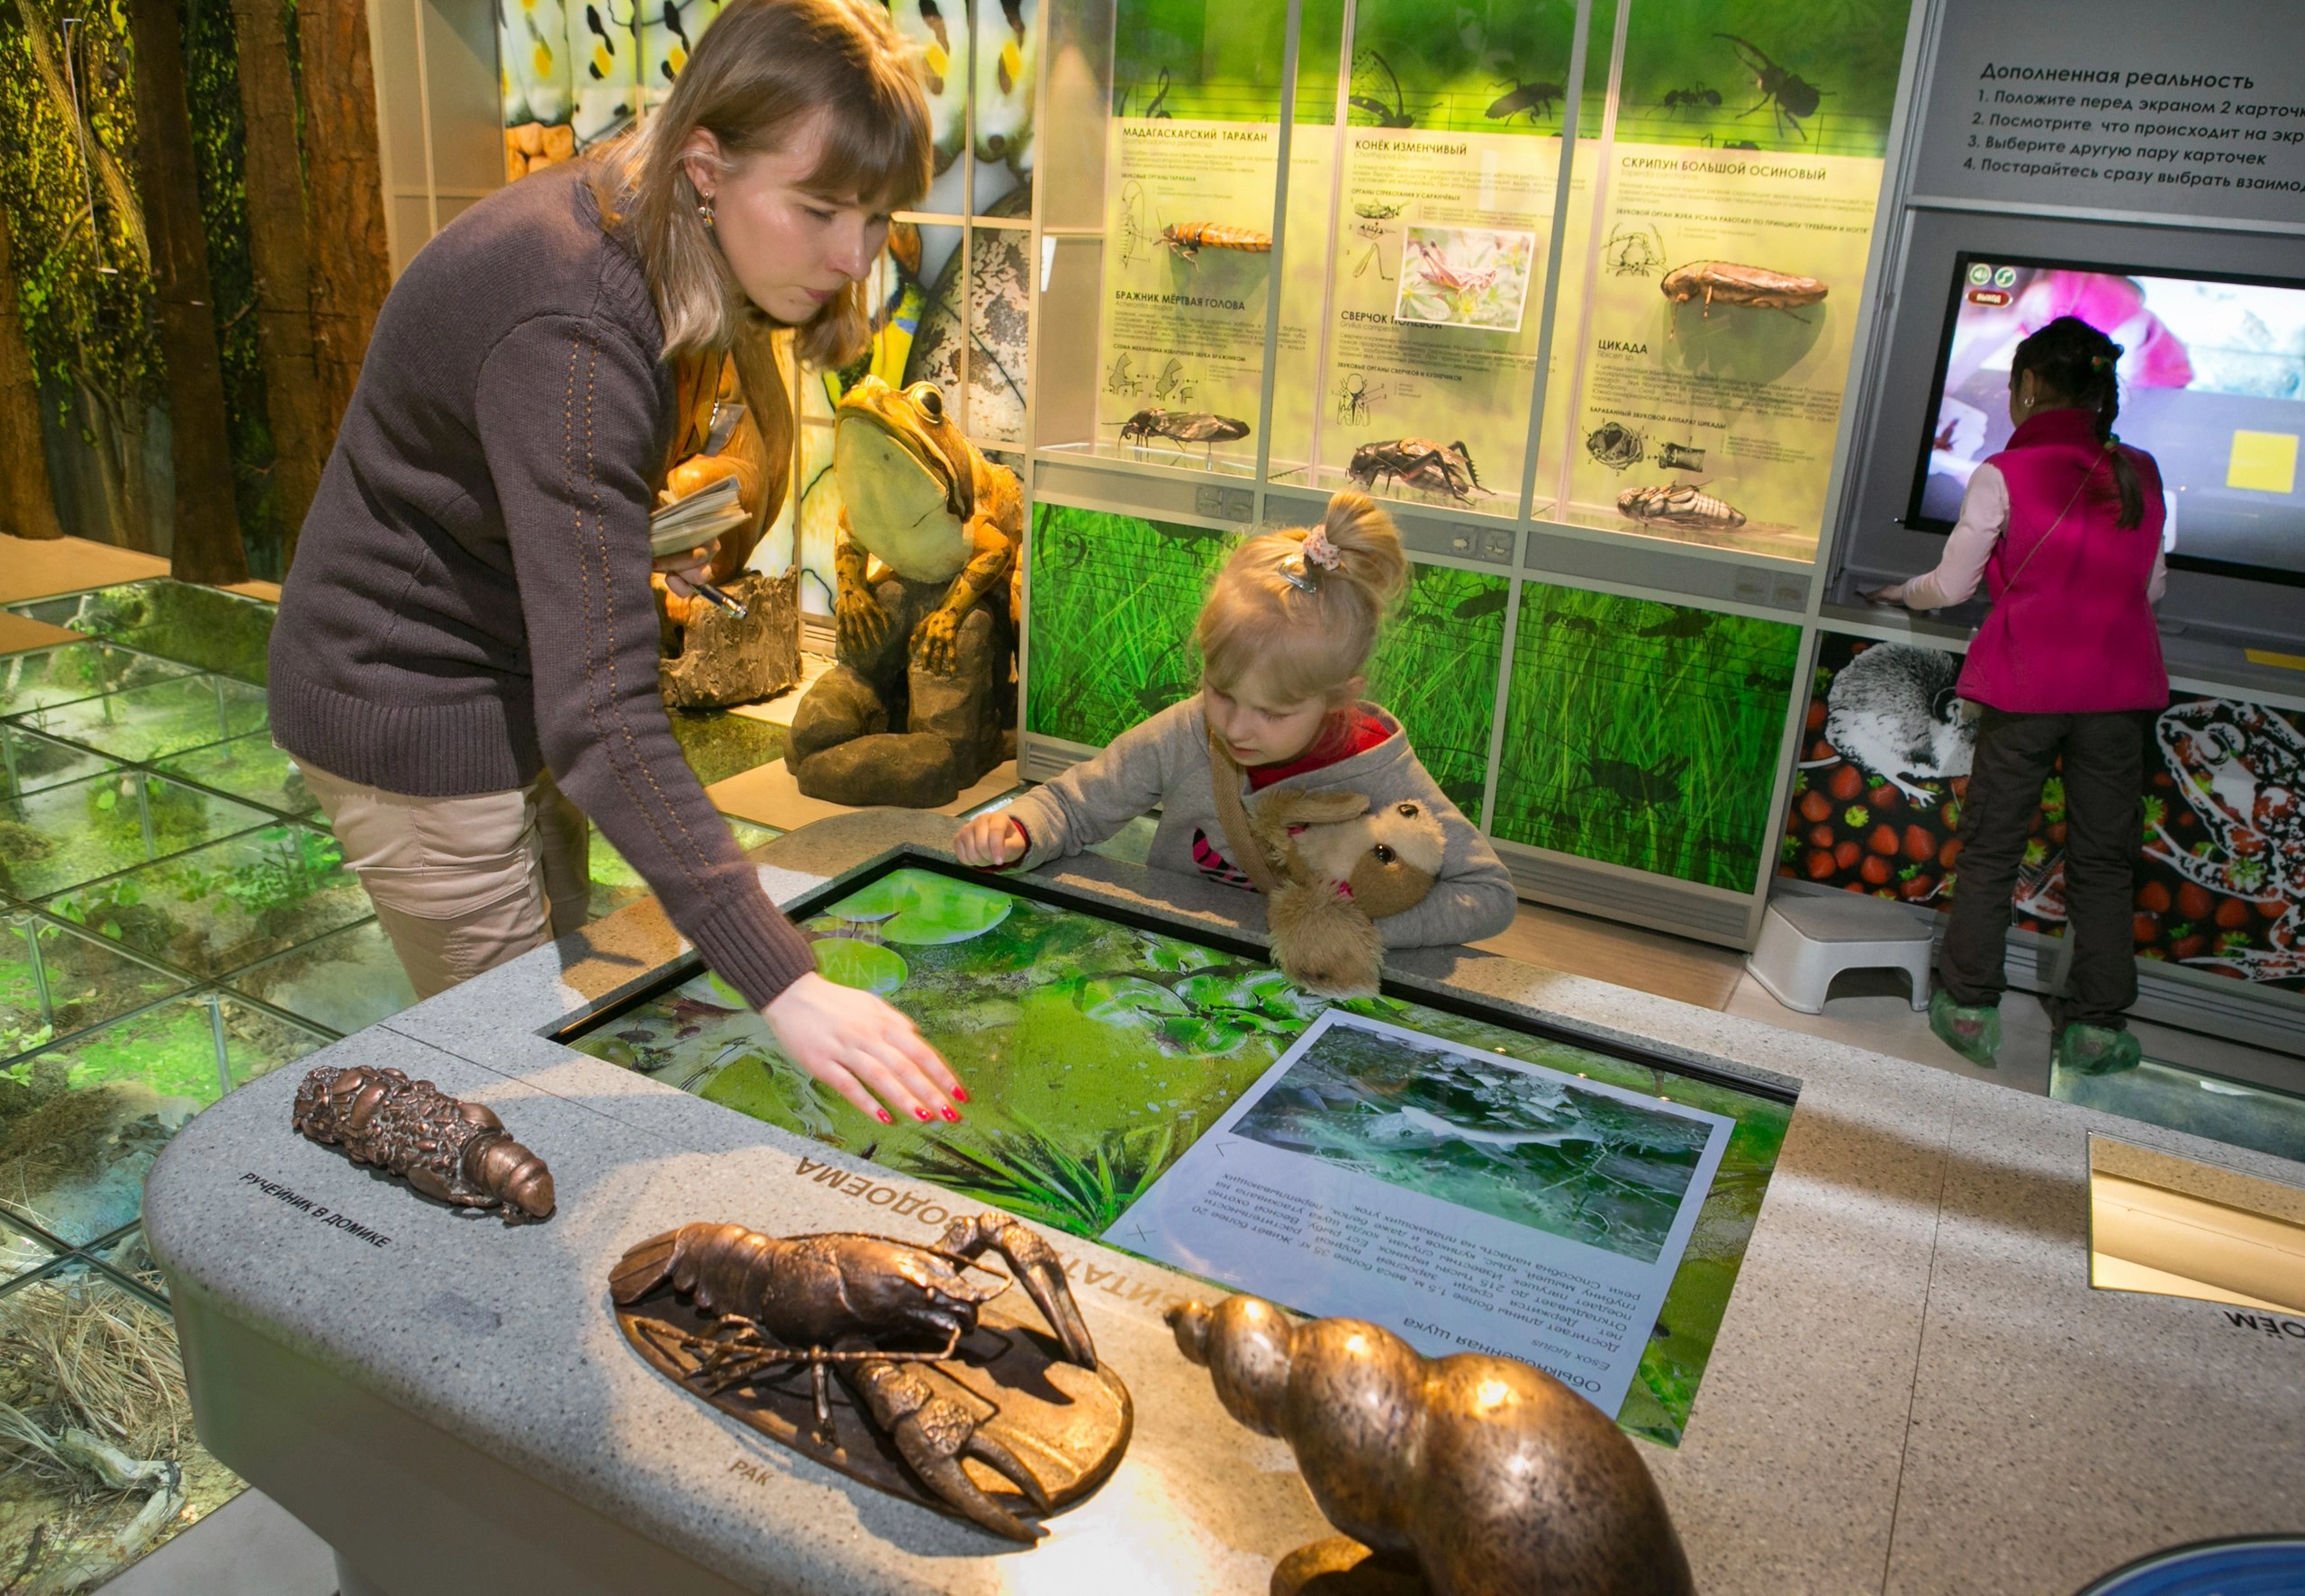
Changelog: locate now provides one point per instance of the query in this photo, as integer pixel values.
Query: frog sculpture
(915, 706)
(2241, 767)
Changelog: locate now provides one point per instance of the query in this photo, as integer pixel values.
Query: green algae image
(1096, 1052)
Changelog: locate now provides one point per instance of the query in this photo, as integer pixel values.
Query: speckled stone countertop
(1915, 1389)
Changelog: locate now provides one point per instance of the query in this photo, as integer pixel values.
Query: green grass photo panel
(1644, 735)
(1114, 598)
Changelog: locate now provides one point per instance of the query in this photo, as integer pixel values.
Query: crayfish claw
(932, 1434)
(1036, 1267)
(996, 1455)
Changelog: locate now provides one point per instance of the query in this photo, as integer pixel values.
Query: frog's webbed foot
(938, 640)
(934, 1434)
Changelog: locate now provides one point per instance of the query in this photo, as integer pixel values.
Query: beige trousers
(462, 884)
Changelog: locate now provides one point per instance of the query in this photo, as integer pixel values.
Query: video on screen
(2212, 382)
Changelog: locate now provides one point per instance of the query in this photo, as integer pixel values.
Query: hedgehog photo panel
(1644, 735)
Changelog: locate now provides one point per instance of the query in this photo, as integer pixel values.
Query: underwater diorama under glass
(251, 767)
(55, 982)
(1098, 1046)
(2190, 1100)
(347, 981)
(202, 626)
(60, 836)
(30, 761)
(157, 719)
(44, 676)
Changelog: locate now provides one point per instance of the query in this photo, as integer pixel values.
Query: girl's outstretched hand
(989, 841)
(862, 1048)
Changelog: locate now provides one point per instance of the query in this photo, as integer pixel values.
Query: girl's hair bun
(1368, 546)
(1299, 609)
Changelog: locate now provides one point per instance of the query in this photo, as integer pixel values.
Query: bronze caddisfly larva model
(1721, 282)
(1679, 504)
(446, 1148)
(759, 1326)
(1485, 1475)
(1189, 239)
(1417, 462)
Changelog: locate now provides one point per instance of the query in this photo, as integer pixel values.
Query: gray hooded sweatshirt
(1164, 763)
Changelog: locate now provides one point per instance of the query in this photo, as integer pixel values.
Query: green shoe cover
(1974, 1033)
(2094, 1049)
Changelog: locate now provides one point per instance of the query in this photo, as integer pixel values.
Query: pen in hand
(721, 599)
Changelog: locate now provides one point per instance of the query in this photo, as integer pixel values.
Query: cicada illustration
(1417, 462)
(1723, 281)
(1614, 445)
(1189, 239)
(1679, 505)
(1182, 426)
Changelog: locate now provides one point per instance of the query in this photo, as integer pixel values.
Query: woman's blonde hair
(760, 71)
(1302, 631)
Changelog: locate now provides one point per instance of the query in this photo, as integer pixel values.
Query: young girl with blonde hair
(1283, 636)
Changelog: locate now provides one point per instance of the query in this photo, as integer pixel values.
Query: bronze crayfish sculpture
(1484, 1474)
(446, 1148)
(890, 1319)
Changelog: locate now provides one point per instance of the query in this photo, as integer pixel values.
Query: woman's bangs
(875, 149)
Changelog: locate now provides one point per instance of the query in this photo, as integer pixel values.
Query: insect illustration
(1728, 284)
(1679, 504)
(1740, 144)
(455, 1152)
(1681, 623)
(873, 1312)
(1789, 96)
(1435, 269)
(1120, 379)
(1136, 236)
(1532, 100)
(1182, 426)
(1695, 97)
(1393, 115)
(1634, 251)
(1353, 399)
(1375, 257)
(1647, 786)
(1172, 382)
(1417, 462)
(1673, 456)
(1189, 239)
(1617, 446)
(1376, 210)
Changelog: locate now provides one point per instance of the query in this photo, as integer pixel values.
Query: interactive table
(1844, 1299)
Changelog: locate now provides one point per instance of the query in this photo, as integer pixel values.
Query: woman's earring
(704, 214)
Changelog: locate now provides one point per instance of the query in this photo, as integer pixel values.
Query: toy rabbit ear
(1286, 806)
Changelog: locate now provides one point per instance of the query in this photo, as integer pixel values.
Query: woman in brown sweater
(468, 631)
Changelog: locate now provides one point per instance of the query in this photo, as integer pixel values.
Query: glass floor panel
(78, 1349)
(615, 884)
(150, 722)
(222, 907)
(205, 628)
(60, 836)
(30, 761)
(347, 981)
(22, 1251)
(73, 671)
(55, 982)
(2181, 1099)
(249, 767)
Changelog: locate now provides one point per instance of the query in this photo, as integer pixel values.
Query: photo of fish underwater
(1259, 798)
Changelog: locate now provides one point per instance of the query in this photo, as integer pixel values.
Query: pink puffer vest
(2072, 631)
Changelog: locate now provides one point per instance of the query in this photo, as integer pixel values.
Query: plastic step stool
(1806, 941)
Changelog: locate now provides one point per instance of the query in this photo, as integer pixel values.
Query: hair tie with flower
(1316, 550)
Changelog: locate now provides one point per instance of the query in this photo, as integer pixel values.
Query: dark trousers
(2104, 768)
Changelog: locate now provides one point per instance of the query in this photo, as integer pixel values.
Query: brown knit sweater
(470, 601)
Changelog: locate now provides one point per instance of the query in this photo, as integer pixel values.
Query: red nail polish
(959, 1094)
(954, 1115)
(921, 1115)
(884, 1117)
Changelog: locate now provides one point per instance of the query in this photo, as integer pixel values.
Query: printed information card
(1466, 1201)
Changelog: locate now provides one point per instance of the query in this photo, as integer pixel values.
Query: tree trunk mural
(279, 252)
(351, 266)
(27, 508)
(207, 534)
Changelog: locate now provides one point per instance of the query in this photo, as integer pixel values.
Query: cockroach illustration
(1532, 100)
(1695, 97)
(1189, 239)
(1417, 462)
(1725, 283)
(1393, 115)
(1614, 445)
(1679, 504)
(1789, 96)
(1182, 426)
(456, 1152)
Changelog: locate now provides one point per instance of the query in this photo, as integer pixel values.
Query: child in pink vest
(2064, 527)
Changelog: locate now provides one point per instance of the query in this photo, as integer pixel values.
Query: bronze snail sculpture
(1485, 1476)
(446, 1148)
(757, 1325)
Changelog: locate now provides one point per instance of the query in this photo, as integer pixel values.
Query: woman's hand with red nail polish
(861, 1048)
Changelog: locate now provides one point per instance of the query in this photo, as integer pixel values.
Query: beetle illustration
(1189, 239)
(1417, 462)
(1726, 282)
(1635, 252)
(1789, 96)
(1181, 427)
(869, 1310)
(1530, 99)
(1679, 504)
